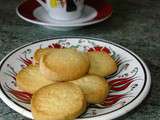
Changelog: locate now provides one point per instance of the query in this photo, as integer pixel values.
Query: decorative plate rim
(121, 111)
(59, 25)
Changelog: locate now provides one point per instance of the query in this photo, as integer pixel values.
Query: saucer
(27, 9)
(88, 14)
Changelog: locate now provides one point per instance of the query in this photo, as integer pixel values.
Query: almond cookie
(101, 64)
(30, 79)
(59, 101)
(95, 88)
(64, 65)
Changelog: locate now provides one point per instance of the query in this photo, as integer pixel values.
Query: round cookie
(64, 65)
(30, 79)
(40, 52)
(101, 64)
(59, 101)
(95, 88)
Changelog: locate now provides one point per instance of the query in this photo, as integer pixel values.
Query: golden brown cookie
(101, 64)
(59, 101)
(30, 79)
(95, 88)
(64, 65)
(40, 52)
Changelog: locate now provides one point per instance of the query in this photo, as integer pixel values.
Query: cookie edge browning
(37, 54)
(54, 76)
(47, 72)
(23, 85)
(113, 62)
(98, 97)
(40, 115)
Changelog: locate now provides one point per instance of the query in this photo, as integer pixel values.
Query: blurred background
(134, 24)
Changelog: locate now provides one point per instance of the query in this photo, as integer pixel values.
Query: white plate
(89, 13)
(130, 84)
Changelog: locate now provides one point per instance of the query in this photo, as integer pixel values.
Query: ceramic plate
(129, 85)
(41, 14)
(26, 11)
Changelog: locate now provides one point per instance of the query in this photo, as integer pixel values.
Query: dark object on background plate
(71, 6)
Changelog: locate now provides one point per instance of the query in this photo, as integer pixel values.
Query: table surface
(134, 24)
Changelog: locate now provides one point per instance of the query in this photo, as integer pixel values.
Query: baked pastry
(95, 88)
(101, 64)
(30, 79)
(40, 52)
(64, 65)
(59, 101)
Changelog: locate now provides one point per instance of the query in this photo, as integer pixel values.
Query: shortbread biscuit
(40, 52)
(95, 88)
(64, 65)
(30, 79)
(101, 64)
(59, 101)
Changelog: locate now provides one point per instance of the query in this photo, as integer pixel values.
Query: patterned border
(144, 70)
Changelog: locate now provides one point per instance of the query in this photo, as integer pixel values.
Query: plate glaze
(129, 85)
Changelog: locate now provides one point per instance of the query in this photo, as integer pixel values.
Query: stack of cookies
(64, 81)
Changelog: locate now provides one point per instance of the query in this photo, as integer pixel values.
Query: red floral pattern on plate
(99, 48)
(118, 84)
(126, 83)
